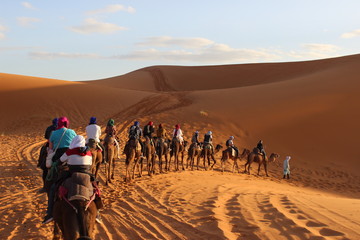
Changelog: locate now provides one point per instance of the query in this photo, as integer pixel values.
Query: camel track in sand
(163, 208)
(166, 206)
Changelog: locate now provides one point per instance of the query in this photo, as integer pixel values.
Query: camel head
(273, 157)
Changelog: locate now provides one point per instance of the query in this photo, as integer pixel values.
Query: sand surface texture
(308, 110)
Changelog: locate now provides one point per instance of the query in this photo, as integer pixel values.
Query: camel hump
(256, 150)
(79, 186)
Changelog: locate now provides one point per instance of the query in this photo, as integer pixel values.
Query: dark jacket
(148, 131)
(135, 132)
(49, 130)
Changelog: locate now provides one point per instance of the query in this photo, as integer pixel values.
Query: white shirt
(286, 163)
(93, 131)
(179, 135)
(76, 159)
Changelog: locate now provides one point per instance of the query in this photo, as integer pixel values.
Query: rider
(149, 130)
(43, 150)
(111, 131)
(260, 146)
(177, 134)
(161, 134)
(79, 159)
(136, 133)
(208, 140)
(230, 144)
(59, 141)
(50, 128)
(195, 138)
(94, 131)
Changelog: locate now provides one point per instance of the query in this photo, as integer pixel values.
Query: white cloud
(351, 34)
(165, 41)
(2, 29)
(112, 9)
(318, 47)
(49, 55)
(212, 53)
(91, 25)
(27, 21)
(315, 51)
(28, 5)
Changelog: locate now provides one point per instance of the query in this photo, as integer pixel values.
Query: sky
(79, 40)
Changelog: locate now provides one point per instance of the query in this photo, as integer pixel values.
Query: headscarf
(55, 122)
(77, 147)
(77, 142)
(136, 123)
(150, 123)
(62, 122)
(177, 126)
(111, 122)
(209, 132)
(231, 137)
(160, 125)
(92, 120)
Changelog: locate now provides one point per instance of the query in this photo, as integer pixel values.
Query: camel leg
(265, 166)
(259, 167)
(113, 169)
(213, 158)
(182, 161)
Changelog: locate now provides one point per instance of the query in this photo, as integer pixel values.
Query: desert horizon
(306, 110)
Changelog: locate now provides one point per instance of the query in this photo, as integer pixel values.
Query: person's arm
(51, 143)
(64, 158)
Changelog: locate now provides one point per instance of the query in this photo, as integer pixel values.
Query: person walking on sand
(287, 167)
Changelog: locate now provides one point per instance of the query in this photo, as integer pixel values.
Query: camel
(133, 158)
(111, 153)
(149, 153)
(176, 149)
(193, 152)
(227, 154)
(208, 153)
(96, 157)
(162, 149)
(255, 156)
(74, 225)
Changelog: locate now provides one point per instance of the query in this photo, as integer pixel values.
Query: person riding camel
(195, 138)
(177, 134)
(50, 129)
(161, 134)
(230, 144)
(93, 131)
(43, 152)
(260, 146)
(208, 140)
(110, 130)
(148, 131)
(59, 142)
(135, 133)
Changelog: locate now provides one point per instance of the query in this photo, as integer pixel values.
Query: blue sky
(92, 39)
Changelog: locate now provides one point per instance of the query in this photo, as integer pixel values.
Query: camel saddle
(79, 187)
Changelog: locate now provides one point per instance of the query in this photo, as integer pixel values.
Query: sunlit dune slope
(183, 78)
(28, 104)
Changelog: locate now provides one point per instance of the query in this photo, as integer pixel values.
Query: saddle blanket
(79, 187)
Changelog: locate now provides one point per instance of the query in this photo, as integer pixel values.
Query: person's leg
(118, 148)
(48, 218)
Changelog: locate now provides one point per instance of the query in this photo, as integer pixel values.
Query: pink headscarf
(62, 122)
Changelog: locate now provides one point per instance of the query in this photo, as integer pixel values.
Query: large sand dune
(308, 110)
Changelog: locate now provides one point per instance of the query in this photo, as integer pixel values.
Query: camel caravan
(71, 164)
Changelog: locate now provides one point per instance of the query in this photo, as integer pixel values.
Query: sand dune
(304, 109)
